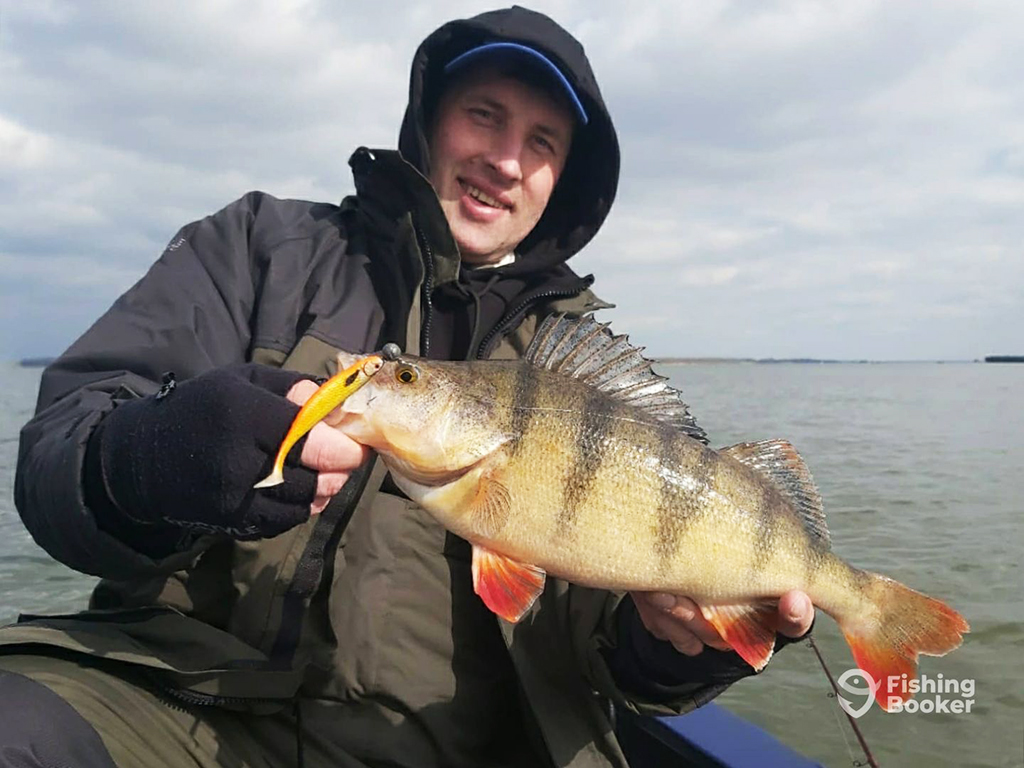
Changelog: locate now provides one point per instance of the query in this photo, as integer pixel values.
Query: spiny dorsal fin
(585, 349)
(779, 462)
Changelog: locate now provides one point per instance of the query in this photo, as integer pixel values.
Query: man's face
(497, 149)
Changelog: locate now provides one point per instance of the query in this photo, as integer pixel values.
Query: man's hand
(327, 451)
(189, 456)
(678, 620)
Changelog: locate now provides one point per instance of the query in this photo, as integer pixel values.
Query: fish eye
(407, 374)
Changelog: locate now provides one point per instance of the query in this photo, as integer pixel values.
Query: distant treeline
(1005, 359)
(819, 361)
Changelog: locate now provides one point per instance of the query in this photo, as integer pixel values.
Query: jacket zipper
(521, 308)
(193, 698)
(210, 700)
(428, 290)
(428, 303)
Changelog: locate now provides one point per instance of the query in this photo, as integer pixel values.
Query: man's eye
(480, 112)
(544, 144)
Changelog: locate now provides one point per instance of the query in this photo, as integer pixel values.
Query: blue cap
(473, 54)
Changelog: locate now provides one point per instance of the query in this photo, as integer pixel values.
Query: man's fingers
(796, 613)
(665, 627)
(678, 620)
(681, 624)
(329, 483)
(687, 616)
(682, 608)
(328, 450)
(670, 629)
(301, 391)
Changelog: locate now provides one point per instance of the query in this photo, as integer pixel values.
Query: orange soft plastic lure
(329, 396)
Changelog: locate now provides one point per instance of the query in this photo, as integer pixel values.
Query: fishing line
(842, 732)
(853, 723)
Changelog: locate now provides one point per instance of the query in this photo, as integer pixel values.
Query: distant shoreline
(794, 360)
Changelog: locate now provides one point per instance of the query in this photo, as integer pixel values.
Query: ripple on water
(965, 567)
(993, 632)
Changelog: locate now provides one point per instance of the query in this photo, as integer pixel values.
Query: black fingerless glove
(162, 469)
(643, 664)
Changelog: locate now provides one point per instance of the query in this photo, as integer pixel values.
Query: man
(330, 621)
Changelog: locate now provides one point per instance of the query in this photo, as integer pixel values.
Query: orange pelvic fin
(329, 396)
(507, 587)
(748, 627)
(907, 624)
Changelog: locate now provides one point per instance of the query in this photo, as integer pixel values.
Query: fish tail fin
(905, 624)
(274, 478)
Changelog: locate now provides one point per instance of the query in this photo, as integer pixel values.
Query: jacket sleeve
(620, 669)
(189, 313)
(626, 664)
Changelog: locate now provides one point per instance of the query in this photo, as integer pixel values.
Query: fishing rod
(853, 723)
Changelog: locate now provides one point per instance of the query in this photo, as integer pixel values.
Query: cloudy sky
(826, 179)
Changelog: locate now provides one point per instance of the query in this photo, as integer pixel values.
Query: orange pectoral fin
(749, 628)
(507, 587)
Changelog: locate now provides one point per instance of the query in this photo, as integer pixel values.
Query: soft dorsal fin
(585, 349)
(779, 462)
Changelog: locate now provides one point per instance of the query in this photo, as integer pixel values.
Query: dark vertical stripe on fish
(769, 513)
(524, 405)
(678, 505)
(817, 554)
(591, 444)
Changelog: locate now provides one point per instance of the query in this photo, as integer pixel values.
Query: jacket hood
(585, 191)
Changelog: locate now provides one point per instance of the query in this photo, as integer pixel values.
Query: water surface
(922, 471)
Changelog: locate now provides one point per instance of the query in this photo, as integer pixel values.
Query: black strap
(327, 530)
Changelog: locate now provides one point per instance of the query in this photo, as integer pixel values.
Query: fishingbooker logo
(934, 694)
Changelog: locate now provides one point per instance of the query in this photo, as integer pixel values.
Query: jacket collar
(392, 192)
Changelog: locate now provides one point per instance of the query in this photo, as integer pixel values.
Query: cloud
(799, 178)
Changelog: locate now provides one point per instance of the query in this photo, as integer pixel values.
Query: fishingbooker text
(934, 694)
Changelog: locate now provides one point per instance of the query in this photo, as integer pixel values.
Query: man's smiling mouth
(483, 197)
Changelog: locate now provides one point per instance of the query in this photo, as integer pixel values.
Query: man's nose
(504, 156)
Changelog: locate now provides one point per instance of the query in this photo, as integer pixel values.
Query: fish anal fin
(749, 628)
(778, 461)
(506, 586)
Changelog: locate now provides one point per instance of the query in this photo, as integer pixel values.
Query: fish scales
(586, 470)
